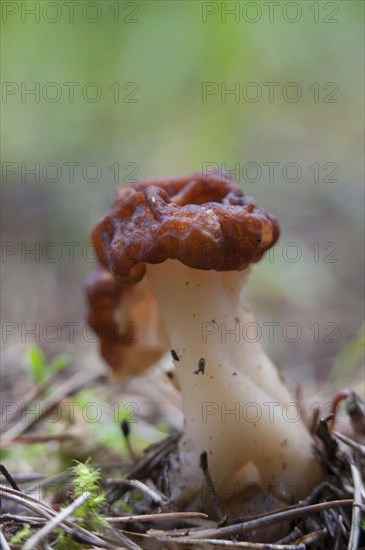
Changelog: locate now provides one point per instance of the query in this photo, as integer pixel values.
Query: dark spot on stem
(201, 366)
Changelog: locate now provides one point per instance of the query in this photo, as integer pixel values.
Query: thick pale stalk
(239, 410)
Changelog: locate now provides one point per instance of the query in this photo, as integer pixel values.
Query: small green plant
(40, 369)
(21, 535)
(86, 479)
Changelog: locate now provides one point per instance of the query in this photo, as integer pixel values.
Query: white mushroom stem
(239, 410)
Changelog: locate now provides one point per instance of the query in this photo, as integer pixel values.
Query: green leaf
(39, 369)
(37, 364)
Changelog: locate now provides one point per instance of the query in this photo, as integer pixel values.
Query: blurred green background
(160, 57)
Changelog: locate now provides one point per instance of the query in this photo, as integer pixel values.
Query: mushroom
(194, 239)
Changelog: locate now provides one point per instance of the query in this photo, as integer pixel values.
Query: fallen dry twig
(246, 526)
(76, 383)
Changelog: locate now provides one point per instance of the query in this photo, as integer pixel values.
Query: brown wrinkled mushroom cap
(204, 221)
(127, 320)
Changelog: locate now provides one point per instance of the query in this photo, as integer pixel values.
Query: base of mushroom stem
(223, 502)
(232, 497)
